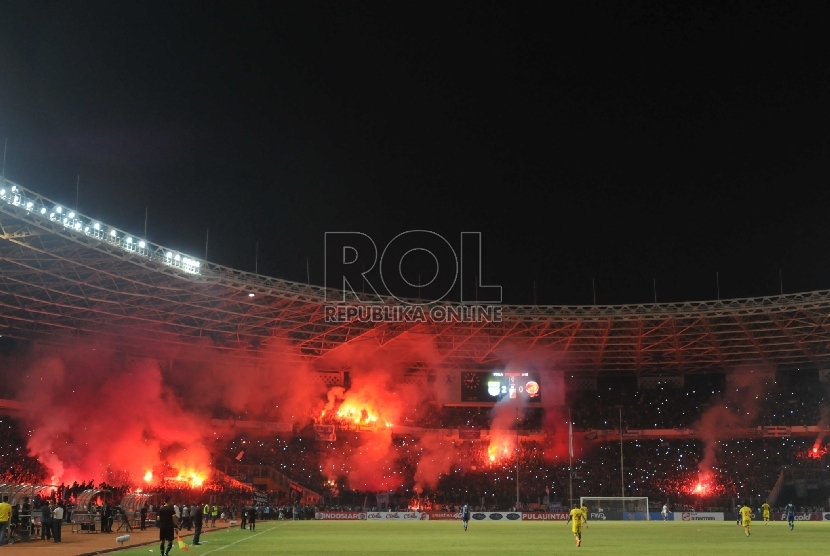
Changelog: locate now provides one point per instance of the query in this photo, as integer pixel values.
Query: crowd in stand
(666, 469)
(17, 465)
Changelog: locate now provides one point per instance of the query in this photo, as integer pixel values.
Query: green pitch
(553, 537)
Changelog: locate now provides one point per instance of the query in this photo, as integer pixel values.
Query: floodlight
(112, 233)
(178, 257)
(77, 225)
(129, 240)
(16, 200)
(97, 226)
(250, 295)
(51, 215)
(2, 192)
(198, 263)
(43, 210)
(29, 205)
(58, 210)
(142, 244)
(86, 230)
(71, 215)
(14, 188)
(168, 255)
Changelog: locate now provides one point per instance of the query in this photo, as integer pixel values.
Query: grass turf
(448, 538)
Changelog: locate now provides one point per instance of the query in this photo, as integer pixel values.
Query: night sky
(665, 141)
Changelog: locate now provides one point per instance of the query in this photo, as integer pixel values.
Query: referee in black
(168, 523)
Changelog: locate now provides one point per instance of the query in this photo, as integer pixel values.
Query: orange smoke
(383, 392)
(94, 417)
(362, 409)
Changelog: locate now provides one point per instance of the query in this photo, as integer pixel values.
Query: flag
(239, 455)
(182, 544)
(325, 432)
(571, 439)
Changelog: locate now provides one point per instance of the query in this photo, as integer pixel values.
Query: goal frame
(618, 503)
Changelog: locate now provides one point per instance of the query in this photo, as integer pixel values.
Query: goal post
(605, 507)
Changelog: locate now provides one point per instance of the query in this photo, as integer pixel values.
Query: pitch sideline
(245, 539)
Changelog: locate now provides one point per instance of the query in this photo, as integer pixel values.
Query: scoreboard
(486, 386)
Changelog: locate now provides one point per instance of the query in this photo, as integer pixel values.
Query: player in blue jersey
(465, 515)
(790, 511)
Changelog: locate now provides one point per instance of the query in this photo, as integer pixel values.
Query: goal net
(615, 507)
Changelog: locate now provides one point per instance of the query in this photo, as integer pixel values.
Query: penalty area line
(245, 539)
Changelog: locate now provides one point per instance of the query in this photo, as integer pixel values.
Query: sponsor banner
(496, 516)
(602, 516)
(469, 434)
(491, 516)
(698, 516)
(442, 516)
(395, 516)
(545, 516)
(826, 517)
(799, 516)
(340, 515)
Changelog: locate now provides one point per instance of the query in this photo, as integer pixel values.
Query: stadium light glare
(112, 233)
(43, 210)
(168, 255)
(142, 245)
(29, 205)
(2, 192)
(71, 215)
(86, 230)
(51, 215)
(58, 210)
(250, 295)
(14, 188)
(129, 239)
(178, 257)
(96, 226)
(77, 225)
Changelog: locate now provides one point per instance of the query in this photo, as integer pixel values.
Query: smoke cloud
(736, 407)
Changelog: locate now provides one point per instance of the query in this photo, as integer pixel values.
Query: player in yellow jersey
(746, 518)
(765, 509)
(578, 519)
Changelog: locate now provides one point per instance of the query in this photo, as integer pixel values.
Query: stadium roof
(64, 273)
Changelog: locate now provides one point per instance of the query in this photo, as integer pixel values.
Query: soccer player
(746, 517)
(738, 514)
(578, 519)
(465, 515)
(665, 512)
(790, 509)
(765, 510)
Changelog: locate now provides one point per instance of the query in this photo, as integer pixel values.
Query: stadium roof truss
(62, 274)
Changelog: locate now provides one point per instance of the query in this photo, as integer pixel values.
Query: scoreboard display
(485, 386)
